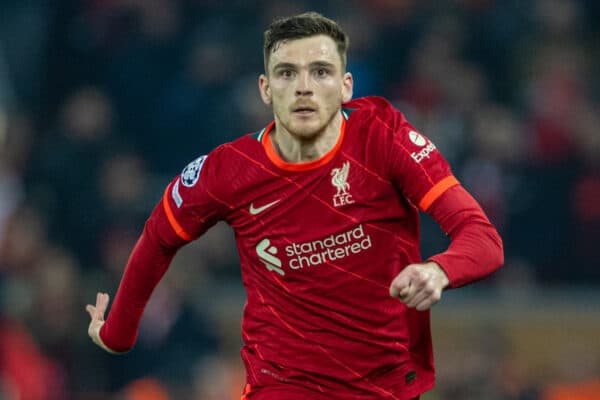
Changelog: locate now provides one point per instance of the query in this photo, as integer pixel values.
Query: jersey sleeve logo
(417, 138)
(175, 194)
(427, 146)
(191, 172)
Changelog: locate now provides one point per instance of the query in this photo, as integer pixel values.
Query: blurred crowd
(103, 101)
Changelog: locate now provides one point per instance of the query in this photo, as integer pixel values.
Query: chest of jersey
(339, 216)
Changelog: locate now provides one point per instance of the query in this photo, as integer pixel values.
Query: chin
(306, 130)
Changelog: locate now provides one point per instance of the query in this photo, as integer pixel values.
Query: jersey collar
(265, 139)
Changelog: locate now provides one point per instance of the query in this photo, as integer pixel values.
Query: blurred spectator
(23, 42)
(249, 110)
(142, 59)
(496, 152)
(67, 167)
(25, 372)
(192, 113)
(217, 378)
(24, 242)
(123, 186)
(573, 391)
(584, 215)
(144, 389)
(15, 140)
(6, 90)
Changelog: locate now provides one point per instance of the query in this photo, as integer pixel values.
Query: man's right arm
(147, 264)
(187, 209)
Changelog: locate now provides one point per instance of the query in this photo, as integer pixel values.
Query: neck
(296, 149)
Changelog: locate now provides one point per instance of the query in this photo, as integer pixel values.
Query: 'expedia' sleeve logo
(419, 140)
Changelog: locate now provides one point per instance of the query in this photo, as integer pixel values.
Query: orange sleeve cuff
(436, 191)
(174, 224)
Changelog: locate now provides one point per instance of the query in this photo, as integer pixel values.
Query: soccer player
(324, 203)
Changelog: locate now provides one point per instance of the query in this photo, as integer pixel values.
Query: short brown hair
(302, 26)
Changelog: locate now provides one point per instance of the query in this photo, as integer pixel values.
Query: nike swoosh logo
(258, 210)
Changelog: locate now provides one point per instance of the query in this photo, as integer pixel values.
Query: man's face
(305, 85)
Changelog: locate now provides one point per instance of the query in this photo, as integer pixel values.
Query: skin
(97, 319)
(420, 286)
(305, 85)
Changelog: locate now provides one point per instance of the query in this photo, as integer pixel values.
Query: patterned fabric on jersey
(319, 244)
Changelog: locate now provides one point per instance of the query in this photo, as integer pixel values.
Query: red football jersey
(319, 244)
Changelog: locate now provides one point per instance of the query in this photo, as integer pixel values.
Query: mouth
(304, 110)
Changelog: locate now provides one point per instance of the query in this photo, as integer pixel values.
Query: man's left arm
(475, 251)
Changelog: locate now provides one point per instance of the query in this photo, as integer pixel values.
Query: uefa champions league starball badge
(191, 173)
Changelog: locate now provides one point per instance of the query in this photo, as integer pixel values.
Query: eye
(322, 72)
(286, 73)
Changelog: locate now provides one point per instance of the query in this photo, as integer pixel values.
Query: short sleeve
(417, 168)
(188, 202)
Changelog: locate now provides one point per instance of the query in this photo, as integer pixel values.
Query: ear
(264, 88)
(347, 87)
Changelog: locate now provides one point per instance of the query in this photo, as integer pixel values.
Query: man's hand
(419, 285)
(97, 315)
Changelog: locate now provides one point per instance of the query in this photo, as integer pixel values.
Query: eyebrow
(284, 65)
(323, 64)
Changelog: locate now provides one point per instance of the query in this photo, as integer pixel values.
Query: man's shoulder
(234, 157)
(367, 110)
(248, 143)
(370, 104)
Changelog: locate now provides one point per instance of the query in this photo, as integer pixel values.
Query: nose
(304, 88)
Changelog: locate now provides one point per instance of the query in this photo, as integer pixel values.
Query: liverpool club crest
(339, 180)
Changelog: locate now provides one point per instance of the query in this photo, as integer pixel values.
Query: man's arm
(147, 264)
(475, 251)
(187, 209)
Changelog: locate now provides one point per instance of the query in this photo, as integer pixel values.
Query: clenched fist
(419, 285)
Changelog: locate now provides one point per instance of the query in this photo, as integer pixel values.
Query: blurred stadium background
(103, 101)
